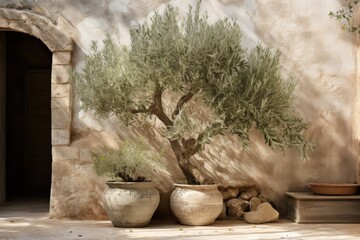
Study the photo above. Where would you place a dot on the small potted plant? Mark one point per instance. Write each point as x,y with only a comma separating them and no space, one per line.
130,199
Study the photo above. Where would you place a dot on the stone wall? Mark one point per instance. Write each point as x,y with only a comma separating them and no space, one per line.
315,50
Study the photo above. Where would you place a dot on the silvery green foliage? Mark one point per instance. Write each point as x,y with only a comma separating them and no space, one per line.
202,62
18,4
345,16
131,162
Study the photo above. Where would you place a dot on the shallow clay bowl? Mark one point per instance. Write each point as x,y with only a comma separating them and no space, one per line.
334,189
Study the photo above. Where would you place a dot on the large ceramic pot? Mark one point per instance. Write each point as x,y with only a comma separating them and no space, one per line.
130,204
196,205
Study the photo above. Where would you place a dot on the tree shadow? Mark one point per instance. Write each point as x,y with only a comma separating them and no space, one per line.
325,96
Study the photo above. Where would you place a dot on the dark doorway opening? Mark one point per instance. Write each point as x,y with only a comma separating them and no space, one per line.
28,117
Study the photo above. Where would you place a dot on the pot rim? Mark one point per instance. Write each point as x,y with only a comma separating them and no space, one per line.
334,184
116,184
196,187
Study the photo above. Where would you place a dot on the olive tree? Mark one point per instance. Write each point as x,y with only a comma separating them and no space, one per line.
198,64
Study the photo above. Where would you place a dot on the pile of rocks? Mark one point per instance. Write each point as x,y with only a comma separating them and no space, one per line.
247,203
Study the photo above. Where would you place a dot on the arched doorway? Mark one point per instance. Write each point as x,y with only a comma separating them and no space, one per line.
58,88
28,116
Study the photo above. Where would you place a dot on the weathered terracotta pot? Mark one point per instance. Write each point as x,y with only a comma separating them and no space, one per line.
333,188
130,204
196,205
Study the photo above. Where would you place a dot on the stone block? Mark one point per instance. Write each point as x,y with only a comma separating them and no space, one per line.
264,213
61,58
230,192
25,27
237,207
36,32
60,102
60,118
254,203
60,137
60,90
10,14
248,194
4,23
60,74
65,153
57,41
35,19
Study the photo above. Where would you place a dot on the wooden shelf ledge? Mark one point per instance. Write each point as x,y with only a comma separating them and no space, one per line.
306,207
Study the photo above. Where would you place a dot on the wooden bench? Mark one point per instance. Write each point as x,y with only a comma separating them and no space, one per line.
305,207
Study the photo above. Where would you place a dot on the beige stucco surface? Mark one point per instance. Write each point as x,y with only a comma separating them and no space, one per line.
315,51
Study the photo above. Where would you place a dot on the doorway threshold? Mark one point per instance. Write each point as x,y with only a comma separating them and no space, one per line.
33,206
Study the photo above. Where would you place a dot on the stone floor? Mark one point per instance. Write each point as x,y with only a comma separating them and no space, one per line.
24,221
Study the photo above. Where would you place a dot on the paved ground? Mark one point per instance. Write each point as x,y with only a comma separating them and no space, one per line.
24,222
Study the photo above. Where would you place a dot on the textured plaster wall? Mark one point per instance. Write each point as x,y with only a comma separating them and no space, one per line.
315,50
356,112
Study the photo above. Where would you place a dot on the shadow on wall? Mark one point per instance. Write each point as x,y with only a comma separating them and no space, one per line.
323,98
92,135
111,132
226,162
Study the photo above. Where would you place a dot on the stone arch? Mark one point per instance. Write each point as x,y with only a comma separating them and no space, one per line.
61,46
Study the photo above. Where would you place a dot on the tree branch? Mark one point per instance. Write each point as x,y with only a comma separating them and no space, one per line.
210,131
157,109
135,111
192,174
182,101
